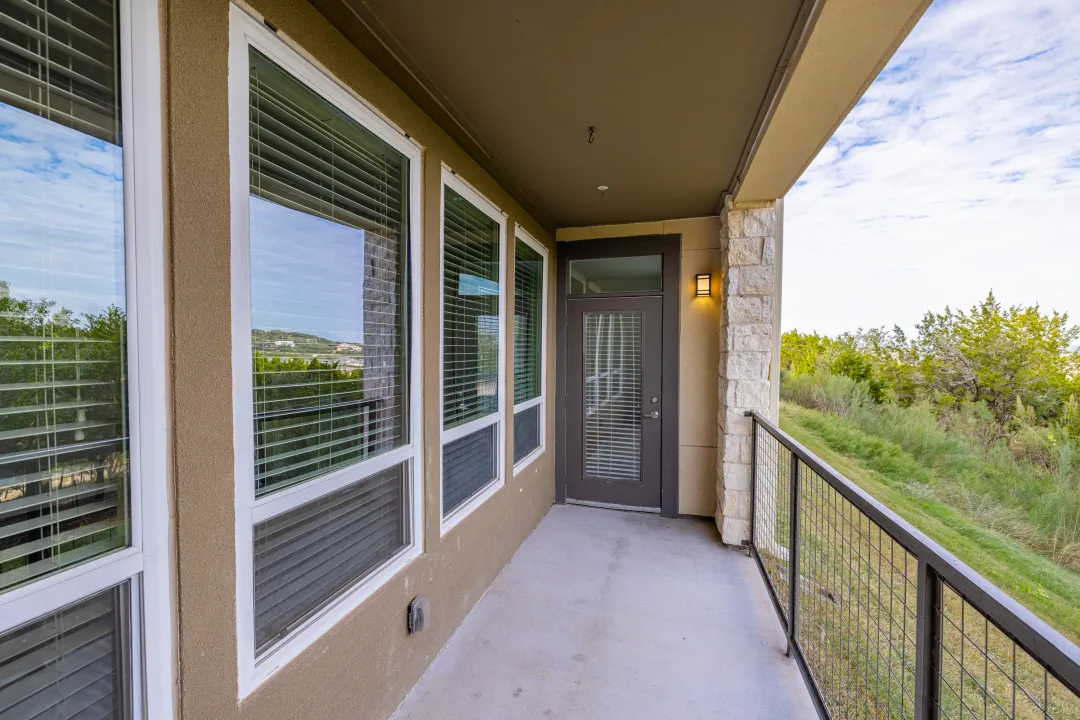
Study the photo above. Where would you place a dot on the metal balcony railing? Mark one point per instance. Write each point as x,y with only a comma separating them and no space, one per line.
882,621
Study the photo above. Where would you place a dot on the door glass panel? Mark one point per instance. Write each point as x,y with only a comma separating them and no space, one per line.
613,396
643,273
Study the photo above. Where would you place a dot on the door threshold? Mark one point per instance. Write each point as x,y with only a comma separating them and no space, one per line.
613,506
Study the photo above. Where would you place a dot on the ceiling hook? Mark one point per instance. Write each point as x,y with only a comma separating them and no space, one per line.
592,134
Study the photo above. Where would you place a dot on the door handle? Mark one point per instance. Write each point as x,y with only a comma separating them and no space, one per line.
654,414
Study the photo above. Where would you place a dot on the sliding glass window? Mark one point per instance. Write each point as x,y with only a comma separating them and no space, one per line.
326,484
472,349
530,297
73,520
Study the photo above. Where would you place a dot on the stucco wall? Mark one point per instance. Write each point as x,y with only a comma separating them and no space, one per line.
364,666
699,350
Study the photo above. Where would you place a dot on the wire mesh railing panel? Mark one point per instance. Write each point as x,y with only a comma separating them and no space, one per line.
856,606
772,512
883,622
982,672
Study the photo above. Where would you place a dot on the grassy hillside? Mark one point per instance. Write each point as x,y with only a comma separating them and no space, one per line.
983,525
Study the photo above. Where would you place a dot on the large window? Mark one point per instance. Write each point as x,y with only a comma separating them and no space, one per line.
82,477
326,465
472,349
530,330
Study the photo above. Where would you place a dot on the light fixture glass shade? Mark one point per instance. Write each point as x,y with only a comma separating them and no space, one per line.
704,285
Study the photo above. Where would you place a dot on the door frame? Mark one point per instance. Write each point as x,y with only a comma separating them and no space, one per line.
668,246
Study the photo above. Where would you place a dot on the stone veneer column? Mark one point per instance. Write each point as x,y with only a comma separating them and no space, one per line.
748,265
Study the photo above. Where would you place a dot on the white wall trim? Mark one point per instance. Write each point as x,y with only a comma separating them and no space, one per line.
448,522
248,31
521,234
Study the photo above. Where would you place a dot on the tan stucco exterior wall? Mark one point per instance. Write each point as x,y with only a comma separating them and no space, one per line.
365,665
699,349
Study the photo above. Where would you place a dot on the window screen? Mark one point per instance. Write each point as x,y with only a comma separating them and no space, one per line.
470,312
63,419
71,664
526,432
307,556
468,467
528,318
328,216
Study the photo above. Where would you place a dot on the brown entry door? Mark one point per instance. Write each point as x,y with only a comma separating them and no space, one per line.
614,405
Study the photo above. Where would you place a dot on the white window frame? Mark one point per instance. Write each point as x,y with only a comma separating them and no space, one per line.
521,234
451,180
246,30
146,564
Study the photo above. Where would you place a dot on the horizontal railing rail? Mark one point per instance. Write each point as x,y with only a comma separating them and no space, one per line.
882,621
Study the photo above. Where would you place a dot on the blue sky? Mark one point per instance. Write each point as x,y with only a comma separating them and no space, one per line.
61,214
958,172
307,273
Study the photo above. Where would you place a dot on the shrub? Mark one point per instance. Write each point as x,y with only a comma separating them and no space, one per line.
836,394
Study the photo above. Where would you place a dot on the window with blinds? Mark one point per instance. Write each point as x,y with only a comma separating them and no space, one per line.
528,316
526,432
471,323
64,469
308,556
329,268
69,664
468,467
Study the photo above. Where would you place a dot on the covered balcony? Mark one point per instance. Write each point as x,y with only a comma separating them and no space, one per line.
419,359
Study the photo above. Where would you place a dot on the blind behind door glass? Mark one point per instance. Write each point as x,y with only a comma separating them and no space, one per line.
470,312
328,212
613,396
63,327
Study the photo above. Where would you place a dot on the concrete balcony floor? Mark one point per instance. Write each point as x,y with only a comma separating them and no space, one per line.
606,614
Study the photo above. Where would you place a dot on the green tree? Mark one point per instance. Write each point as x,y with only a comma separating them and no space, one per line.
998,356
801,353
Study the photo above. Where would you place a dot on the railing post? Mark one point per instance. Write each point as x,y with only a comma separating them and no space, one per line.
793,551
753,483
927,632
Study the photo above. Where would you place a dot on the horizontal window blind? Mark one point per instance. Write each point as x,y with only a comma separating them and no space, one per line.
526,432
329,268
468,467
528,314
471,323
63,440
59,60
70,665
307,557
63,419
613,396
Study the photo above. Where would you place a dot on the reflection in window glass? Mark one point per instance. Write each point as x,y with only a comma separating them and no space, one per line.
328,267
617,274
470,312
528,316
64,471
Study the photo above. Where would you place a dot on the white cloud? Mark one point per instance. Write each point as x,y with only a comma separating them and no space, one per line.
61,214
957,173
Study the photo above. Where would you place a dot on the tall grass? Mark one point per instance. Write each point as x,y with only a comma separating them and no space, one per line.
1025,486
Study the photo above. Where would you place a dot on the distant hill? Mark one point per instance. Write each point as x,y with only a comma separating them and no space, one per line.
275,335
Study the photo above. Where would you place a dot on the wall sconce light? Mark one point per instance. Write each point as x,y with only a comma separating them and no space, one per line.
703,285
